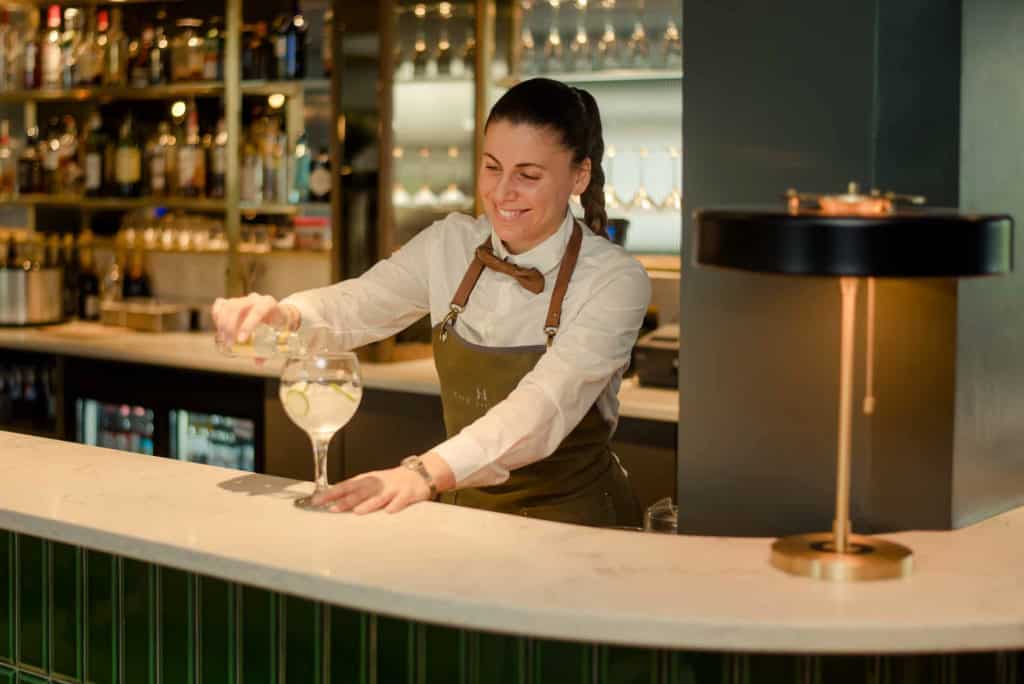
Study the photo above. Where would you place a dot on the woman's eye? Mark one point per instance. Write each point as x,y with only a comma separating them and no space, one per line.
528,177
491,167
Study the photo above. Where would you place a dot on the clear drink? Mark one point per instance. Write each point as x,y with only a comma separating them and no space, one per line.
320,408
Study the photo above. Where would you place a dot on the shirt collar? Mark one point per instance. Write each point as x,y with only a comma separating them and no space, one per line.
545,256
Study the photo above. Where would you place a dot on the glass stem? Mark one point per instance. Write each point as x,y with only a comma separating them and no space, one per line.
320,462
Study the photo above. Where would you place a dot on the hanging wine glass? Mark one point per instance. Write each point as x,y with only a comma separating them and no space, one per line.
527,45
443,52
608,44
672,46
421,58
452,196
400,197
403,58
641,198
638,47
424,197
579,48
674,200
554,53
611,197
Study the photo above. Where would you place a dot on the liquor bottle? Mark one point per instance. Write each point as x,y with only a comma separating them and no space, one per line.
213,69
320,178
295,44
140,67
30,170
279,41
70,172
156,162
85,50
216,183
300,171
136,280
273,161
169,148
160,52
70,38
191,159
69,259
8,161
128,161
327,44
51,53
88,281
250,53
30,60
116,53
95,149
6,52
51,157
251,180
52,257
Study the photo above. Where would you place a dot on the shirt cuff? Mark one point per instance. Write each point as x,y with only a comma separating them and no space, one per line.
308,315
464,456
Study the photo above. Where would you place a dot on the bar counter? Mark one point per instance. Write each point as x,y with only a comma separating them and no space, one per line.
497,573
196,351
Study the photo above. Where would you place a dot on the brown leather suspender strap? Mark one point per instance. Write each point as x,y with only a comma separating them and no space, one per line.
458,304
572,252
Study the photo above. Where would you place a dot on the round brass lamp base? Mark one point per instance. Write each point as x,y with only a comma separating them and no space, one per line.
813,555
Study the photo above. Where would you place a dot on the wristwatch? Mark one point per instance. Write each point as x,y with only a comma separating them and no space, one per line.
414,463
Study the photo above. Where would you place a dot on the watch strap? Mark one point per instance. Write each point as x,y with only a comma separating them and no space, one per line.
415,464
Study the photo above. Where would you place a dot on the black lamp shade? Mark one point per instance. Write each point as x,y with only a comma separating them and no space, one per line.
899,245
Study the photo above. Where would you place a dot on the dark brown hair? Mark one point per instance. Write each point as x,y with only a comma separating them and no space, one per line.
573,114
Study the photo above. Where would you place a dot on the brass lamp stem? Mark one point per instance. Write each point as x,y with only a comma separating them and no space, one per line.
841,525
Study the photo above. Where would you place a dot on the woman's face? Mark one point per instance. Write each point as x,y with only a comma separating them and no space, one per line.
526,178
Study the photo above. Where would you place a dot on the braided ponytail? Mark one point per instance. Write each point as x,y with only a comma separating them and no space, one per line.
573,114
592,198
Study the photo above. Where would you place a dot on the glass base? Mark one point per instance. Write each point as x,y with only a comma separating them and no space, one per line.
306,504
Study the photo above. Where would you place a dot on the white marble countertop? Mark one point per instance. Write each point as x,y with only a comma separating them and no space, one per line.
197,351
487,571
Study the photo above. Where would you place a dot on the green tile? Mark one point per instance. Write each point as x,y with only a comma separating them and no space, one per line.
33,590
216,630
628,665
24,678
442,655
6,675
691,667
498,658
396,651
259,636
101,618
177,626
302,639
847,669
138,621
66,612
7,630
562,662
349,639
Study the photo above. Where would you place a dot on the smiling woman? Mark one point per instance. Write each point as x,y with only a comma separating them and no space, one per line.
534,315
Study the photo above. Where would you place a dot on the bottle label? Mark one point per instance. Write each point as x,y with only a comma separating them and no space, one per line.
186,167
320,182
51,158
157,173
93,171
128,165
92,307
280,47
219,160
210,67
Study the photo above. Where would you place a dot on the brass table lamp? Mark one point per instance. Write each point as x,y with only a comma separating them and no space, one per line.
851,236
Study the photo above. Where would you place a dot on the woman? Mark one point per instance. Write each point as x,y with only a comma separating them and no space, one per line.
533,316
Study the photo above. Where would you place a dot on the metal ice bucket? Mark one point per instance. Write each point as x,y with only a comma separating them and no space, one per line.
31,297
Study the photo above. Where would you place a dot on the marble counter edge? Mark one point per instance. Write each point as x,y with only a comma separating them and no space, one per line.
516,621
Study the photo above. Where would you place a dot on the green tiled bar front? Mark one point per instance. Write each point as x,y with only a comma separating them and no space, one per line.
70,615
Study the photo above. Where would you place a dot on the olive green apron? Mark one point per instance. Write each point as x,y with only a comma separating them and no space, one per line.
582,481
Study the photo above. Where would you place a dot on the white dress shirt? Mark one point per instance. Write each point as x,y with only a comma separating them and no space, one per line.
601,314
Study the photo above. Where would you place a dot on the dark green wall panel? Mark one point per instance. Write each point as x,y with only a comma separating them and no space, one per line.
33,595
177,636
562,662
7,594
441,655
498,658
25,678
628,665
349,644
396,651
302,640
6,675
138,623
259,636
101,617
217,630
66,611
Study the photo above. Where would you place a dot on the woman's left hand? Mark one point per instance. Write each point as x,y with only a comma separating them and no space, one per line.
391,489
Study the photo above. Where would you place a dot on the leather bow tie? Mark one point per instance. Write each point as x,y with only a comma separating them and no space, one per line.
530,278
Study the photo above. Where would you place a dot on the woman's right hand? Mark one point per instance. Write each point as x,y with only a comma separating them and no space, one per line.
236,318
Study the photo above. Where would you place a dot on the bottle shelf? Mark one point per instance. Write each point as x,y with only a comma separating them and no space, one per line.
602,76
118,203
163,92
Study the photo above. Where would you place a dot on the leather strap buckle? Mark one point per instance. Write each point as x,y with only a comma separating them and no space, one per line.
449,320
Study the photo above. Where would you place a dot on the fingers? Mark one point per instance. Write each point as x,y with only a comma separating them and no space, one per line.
374,503
235,318
399,503
392,490
346,495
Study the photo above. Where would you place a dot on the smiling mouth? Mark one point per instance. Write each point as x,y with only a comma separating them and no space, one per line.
511,214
